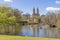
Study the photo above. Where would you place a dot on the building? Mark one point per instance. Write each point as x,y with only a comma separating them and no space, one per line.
35,12
35,15
26,16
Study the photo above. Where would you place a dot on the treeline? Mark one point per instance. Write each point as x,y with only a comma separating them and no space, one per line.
51,18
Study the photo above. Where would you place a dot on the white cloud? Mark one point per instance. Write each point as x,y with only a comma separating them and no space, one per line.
8,0
58,2
52,9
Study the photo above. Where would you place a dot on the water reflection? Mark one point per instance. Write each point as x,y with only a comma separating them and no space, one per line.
40,31
35,29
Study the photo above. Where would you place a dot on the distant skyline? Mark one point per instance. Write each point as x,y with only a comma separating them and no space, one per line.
27,5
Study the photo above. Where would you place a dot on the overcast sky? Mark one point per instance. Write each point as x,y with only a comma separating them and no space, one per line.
27,5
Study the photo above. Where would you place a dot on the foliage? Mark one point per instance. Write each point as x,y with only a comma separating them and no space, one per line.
12,20
3,18
9,17
58,24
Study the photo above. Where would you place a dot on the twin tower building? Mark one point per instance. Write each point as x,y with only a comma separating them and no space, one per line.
35,12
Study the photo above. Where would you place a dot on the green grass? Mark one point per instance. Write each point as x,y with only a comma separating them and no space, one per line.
6,37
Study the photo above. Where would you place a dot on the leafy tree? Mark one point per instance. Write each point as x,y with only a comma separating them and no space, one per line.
12,20
9,17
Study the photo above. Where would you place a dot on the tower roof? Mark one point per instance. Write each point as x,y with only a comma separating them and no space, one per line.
35,12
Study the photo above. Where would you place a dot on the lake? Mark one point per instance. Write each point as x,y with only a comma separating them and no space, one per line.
39,31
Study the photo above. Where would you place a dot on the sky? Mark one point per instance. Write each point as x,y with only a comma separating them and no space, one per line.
27,5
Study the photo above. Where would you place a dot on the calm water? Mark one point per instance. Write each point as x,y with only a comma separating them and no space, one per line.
39,31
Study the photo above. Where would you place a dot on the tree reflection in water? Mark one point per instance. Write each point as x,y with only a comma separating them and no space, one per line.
40,31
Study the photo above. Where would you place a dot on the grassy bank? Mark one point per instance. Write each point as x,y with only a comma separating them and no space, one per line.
6,37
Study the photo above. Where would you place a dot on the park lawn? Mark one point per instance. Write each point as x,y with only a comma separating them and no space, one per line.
6,37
